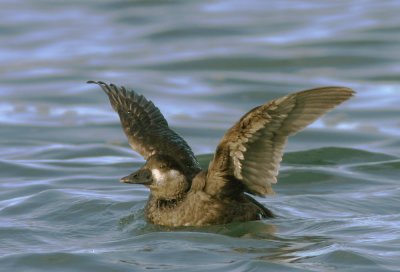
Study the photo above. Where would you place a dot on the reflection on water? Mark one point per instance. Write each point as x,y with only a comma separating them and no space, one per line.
205,64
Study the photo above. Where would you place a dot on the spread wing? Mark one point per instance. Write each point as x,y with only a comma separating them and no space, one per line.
146,128
250,152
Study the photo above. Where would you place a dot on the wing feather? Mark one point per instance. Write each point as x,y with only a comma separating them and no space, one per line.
146,128
251,151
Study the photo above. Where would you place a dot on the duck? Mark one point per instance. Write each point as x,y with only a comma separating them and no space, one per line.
245,164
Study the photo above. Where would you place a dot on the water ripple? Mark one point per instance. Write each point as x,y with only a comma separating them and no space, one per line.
204,64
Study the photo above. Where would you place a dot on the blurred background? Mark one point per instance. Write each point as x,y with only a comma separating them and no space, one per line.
204,64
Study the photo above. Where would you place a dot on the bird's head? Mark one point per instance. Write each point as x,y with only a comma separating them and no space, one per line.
163,175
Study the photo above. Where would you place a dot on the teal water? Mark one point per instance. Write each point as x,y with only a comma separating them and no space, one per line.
204,63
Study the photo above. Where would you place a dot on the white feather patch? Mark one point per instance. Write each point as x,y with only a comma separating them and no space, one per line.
157,175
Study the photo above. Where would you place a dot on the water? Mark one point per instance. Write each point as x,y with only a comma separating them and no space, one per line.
204,63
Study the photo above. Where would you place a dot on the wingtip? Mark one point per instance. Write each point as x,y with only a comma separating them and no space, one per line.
104,86
350,91
96,82
346,93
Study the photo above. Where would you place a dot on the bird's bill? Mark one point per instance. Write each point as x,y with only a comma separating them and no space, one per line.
141,176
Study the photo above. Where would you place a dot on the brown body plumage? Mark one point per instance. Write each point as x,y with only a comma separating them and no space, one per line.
246,160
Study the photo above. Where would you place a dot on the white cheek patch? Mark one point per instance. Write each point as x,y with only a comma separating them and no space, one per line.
174,174
171,175
157,175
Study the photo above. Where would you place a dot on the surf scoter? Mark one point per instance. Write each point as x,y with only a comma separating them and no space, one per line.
246,160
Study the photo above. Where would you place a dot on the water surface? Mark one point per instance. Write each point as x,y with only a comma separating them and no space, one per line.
204,63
